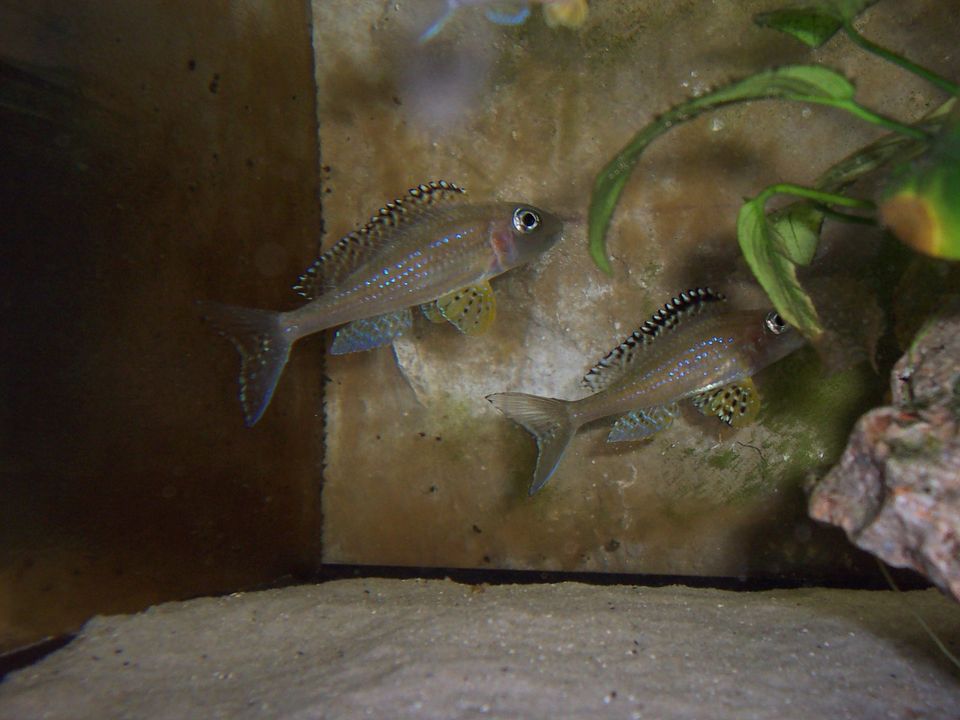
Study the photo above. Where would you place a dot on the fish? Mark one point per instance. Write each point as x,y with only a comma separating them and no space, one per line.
430,248
688,350
569,13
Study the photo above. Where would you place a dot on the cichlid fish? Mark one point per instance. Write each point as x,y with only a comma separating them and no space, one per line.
687,350
569,13
429,248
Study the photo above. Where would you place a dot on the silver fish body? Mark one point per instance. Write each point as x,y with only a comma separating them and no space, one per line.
687,351
427,246
449,247
704,353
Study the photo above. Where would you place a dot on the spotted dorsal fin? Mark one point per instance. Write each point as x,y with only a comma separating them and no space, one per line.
615,362
351,250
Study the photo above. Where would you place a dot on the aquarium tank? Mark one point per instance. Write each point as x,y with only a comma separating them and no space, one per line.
513,292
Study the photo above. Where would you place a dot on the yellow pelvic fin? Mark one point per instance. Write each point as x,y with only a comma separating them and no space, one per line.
569,13
471,310
736,404
432,313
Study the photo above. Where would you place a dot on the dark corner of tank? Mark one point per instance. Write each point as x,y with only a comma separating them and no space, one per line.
155,155
269,269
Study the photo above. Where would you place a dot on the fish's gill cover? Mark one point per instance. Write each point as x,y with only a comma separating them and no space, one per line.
615,362
352,249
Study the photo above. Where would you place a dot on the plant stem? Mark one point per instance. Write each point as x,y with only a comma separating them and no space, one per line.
908,65
818,196
871,117
844,217
933,636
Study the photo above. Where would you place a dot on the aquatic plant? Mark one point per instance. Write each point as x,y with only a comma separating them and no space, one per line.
922,161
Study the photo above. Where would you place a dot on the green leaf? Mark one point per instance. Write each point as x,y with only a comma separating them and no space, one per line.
795,231
922,206
808,25
774,245
890,56
815,24
847,9
890,149
776,273
805,83
790,82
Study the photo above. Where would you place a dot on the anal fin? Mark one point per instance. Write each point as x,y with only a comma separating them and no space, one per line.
432,313
471,310
371,332
736,404
505,17
640,424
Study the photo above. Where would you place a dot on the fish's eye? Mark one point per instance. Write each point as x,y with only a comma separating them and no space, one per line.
525,220
774,323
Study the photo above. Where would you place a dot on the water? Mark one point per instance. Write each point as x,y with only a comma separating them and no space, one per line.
179,160
125,479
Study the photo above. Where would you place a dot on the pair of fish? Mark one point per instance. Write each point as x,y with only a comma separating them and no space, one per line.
434,249
569,13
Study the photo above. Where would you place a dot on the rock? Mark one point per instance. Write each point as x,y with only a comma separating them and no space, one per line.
896,490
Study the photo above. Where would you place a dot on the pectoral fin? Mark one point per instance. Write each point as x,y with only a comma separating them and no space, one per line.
471,310
736,404
641,424
371,332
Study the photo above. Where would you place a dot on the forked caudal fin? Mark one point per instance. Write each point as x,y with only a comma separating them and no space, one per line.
263,349
548,420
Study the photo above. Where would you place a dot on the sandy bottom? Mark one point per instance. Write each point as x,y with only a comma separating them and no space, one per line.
438,649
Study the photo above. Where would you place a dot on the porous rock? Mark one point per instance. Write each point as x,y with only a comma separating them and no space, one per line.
896,490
